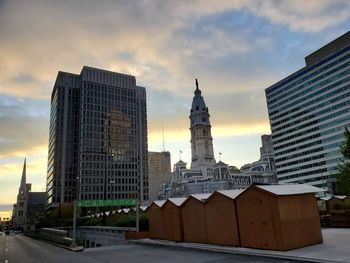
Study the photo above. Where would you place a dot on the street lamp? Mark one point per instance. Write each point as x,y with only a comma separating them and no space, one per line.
74,234
104,189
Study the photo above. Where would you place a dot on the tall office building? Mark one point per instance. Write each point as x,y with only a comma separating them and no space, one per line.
98,138
308,111
159,172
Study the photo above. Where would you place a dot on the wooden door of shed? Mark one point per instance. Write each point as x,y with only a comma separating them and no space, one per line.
256,223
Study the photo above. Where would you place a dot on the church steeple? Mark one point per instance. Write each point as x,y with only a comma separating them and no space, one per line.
20,210
201,140
24,175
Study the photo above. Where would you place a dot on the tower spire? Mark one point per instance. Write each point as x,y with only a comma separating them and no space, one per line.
197,90
24,175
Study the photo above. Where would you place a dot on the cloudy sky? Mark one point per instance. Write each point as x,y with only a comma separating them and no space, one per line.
235,48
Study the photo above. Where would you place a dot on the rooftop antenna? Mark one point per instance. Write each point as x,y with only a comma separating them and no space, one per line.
220,156
180,154
163,137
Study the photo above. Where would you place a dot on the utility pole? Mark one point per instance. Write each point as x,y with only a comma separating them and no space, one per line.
105,189
74,244
137,215
75,202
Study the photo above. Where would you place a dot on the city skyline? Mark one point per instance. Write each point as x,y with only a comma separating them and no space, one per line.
235,49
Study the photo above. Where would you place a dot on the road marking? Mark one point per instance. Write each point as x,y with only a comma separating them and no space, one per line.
6,261
6,249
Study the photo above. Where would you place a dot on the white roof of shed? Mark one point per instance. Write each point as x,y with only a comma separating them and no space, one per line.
341,197
177,201
159,203
201,197
290,189
231,193
328,197
143,207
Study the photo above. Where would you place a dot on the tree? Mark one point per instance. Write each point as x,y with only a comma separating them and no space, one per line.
343,174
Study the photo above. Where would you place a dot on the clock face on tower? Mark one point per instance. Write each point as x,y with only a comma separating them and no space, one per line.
204,119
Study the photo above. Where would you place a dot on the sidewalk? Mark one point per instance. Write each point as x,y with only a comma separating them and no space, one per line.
335,248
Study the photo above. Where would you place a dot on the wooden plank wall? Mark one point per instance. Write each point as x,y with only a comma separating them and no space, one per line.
258,220
193,219
172,222
300,221
155,222
221,223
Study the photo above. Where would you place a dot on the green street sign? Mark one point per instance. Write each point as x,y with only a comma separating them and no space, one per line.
109,202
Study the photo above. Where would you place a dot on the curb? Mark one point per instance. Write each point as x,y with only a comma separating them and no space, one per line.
219,249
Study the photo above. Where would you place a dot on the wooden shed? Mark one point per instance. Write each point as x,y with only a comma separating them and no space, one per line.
221,218
172,219
155,220
336,202
347,202
278,217
193,218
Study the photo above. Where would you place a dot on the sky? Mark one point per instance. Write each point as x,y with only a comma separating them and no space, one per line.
236,49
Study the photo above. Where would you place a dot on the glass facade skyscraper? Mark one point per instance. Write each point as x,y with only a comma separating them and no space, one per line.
98,138
308,112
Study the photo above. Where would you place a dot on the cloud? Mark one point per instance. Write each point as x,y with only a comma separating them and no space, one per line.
311,16
40,38
24,127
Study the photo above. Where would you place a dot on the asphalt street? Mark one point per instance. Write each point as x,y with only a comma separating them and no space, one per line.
21,249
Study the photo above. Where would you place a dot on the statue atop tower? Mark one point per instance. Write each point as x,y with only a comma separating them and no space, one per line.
201,139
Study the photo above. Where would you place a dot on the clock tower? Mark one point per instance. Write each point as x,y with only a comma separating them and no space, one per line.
201,140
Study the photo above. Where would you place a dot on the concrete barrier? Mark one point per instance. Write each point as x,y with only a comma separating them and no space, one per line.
50,234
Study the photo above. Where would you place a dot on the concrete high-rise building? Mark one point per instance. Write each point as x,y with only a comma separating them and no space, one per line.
308,111
201,139
98,137
159,172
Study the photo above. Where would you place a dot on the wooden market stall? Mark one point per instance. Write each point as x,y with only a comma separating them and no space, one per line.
193,218
221,218
155,220
172,219
336,202
278,217
346,201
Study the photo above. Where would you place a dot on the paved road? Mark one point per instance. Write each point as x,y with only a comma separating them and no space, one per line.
21,249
